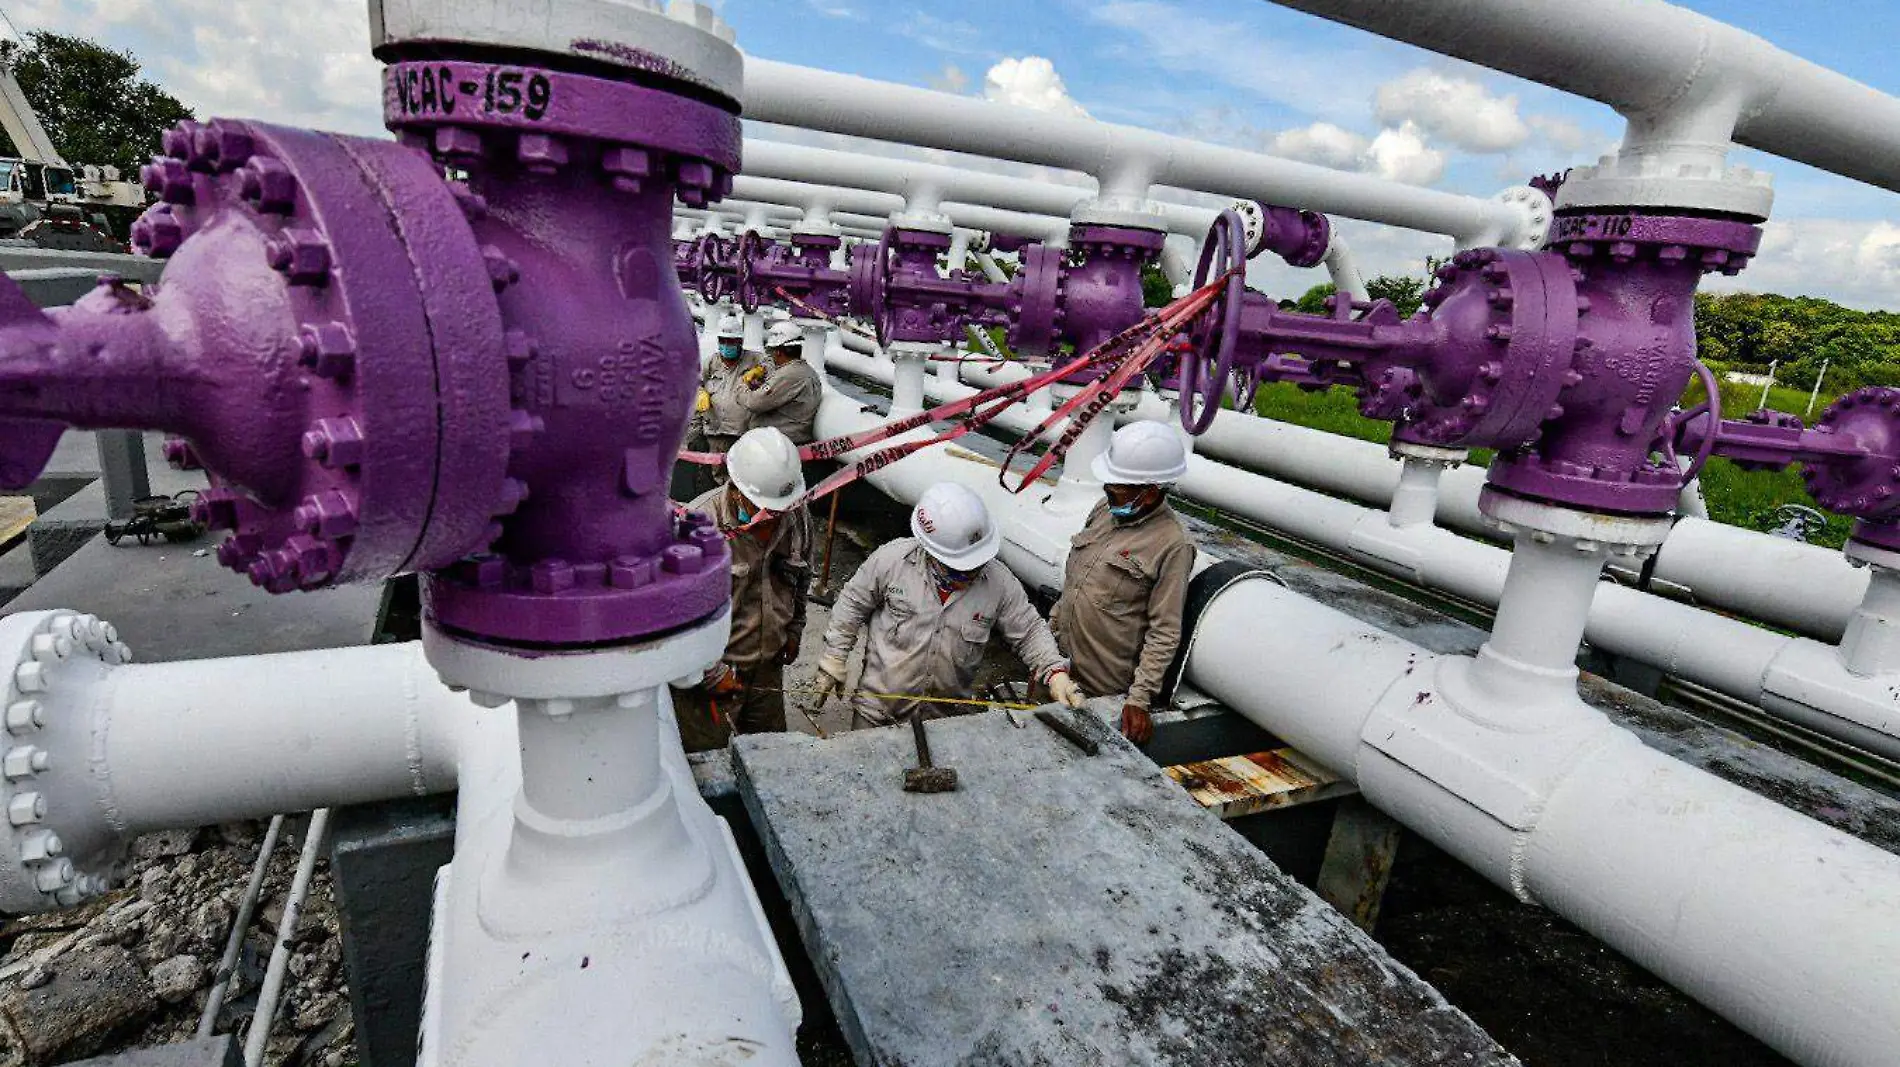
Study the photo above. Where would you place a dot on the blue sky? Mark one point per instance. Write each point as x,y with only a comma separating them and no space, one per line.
1242,72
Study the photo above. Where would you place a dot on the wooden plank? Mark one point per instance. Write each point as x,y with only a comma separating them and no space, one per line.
1233,786
16,514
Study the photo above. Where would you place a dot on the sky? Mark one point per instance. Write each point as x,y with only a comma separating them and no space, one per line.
1243,73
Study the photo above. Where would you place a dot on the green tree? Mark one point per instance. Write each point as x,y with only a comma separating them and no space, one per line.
1155,289
1406,293
1313,301
91,99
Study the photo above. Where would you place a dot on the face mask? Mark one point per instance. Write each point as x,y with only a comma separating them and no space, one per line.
745,513
729,353
1126,511
949,580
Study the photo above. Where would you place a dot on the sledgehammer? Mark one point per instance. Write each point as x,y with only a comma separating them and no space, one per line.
925,778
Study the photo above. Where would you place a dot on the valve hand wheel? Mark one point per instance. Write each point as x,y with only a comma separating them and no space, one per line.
1679,422
749,248
1208,364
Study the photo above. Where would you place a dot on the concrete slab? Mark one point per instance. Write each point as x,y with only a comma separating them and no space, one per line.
169,603
1064,909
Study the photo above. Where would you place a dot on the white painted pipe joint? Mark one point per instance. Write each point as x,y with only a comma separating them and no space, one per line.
99,751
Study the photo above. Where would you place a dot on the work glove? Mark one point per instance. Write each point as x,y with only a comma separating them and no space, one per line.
1064,689
830,680
754,377
722,681
703,402
1136,725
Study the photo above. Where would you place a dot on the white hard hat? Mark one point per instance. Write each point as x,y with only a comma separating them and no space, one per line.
1142,453
763,464
732,328
955,527
782,334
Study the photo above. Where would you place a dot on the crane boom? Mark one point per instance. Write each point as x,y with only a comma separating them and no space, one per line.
21,124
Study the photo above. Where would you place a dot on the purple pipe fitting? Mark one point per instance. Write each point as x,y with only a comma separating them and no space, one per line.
802,269
1567,361
386,371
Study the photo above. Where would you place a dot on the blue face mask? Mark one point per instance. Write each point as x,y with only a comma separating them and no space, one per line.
745,514
1125,511
729,353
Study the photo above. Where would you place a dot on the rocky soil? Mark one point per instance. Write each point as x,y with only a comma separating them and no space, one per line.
133,969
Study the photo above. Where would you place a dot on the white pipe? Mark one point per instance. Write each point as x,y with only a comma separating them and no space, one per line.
272,990
1780,924
1125,160
596,909
240,927
1677,75
1343,268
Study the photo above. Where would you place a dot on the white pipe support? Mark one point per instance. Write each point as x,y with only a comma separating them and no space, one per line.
95,746
814,340
839,103
991,272
591,883
1675,74
1668,864
1343,269
908,361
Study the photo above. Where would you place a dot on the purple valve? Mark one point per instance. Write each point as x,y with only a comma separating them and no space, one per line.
385,370
1567,361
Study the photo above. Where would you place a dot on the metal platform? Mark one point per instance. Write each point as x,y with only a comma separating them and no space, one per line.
1061,908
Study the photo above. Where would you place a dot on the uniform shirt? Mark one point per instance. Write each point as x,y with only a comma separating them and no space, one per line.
917,644
1123,590
787,399
721,381
768,581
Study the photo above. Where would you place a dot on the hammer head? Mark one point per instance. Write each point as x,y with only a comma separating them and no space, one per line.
930,780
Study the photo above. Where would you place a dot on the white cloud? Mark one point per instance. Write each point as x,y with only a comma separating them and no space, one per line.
305,64
1030,82
1401,155
1853,261
1562,133
944,35
1456,109
1322,143
1398,154
950,79
833,9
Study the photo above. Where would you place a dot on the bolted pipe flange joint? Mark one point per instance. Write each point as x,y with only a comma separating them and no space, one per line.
56,847
1864,483
1648,181
304,315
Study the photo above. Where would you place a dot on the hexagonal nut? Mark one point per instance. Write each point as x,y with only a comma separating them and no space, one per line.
682,559
541,153
551,576
335,442
329,349
302,255
223,145
330,513
268,184
158,233
630,572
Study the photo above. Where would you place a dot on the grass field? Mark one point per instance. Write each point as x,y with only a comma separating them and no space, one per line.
1742,498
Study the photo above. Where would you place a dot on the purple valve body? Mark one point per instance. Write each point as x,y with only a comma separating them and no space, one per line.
386,371
1567,361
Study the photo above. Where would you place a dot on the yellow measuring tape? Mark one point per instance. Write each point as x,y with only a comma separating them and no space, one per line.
905,696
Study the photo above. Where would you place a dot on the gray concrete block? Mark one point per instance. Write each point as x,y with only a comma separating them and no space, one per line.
1065,909
220,1051
383,860
55,286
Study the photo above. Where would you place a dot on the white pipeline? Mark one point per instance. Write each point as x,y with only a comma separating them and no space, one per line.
1780,924
1126,161
1675,74
268,994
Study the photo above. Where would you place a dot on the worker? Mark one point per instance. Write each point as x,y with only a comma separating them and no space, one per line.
783,391
771,569
1119,618
929,603
717,413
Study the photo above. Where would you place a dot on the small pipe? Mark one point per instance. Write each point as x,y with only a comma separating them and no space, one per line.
234,944
273,988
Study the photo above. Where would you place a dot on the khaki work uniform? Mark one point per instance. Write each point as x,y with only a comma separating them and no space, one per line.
716,428
769,581
788,399
915,643
1123,591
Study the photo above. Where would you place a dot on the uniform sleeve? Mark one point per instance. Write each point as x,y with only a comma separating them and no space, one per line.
798,562
777,391
859,597
1165,603
1026,632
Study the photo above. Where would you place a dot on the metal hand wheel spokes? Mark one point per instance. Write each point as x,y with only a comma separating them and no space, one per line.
1208,364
